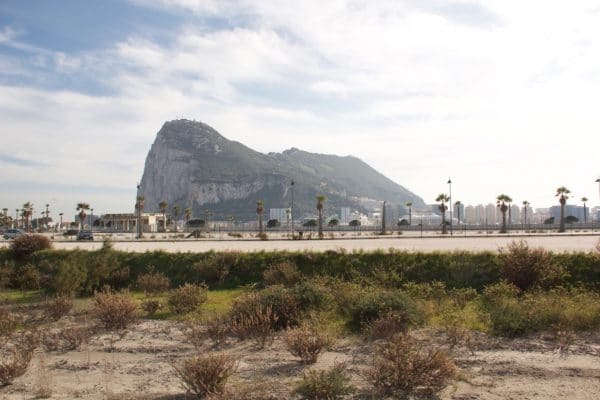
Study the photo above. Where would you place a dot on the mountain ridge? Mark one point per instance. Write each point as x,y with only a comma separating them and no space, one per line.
193,165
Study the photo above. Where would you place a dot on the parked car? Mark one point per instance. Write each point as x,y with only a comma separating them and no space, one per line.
85,235
13,233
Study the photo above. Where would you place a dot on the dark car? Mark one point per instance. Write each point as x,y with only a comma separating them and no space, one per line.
13,233
85,235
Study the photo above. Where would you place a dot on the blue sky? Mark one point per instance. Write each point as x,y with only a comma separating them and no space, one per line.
500,95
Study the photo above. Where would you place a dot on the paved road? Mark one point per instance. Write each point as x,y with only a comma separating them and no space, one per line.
558,243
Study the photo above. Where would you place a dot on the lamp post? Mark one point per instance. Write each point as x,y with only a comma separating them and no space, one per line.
450,202
292,209
598,180
91,220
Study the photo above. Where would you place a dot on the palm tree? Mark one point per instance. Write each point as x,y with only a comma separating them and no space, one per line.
139,208
443,199
47,216
563,194
584,200
320,201
260,208
188,215
27,211
61,217
82,208
176,211
409,205
525,205
502,203
162,206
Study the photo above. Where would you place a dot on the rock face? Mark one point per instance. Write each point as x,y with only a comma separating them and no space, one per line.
192,165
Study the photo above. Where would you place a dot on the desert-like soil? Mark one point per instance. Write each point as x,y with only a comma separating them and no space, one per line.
138,364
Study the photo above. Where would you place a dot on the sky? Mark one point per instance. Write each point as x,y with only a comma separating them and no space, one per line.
501,96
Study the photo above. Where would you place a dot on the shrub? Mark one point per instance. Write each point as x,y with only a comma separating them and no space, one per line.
306,343
282,302
284,273
216,268
6,271
187,298
328,384
195,335
68,279
257,324
25,245
385,326
115,310
526,268
66,339
59,306
507,313
376,304
206,375
402,367
26,277
153,283
217,329
8,325
15,361
151,306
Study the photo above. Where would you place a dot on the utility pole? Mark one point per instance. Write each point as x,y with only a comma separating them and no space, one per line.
451,207
292,209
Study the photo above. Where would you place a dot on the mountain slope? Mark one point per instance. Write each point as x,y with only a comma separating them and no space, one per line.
192,165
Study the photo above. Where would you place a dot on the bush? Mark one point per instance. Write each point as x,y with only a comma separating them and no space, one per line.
115,310
328,384
206,375
507,313
215,269
402,367
256,324
527,268
68,279
66,339
151,306
59,306
25,245
284,273
26,277
217,329
376,304
153,283
282,302
195,335
15,361
8,325
187,298
306,343
385,326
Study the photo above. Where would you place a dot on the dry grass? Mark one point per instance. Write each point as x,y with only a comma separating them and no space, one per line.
306,343
153,283
256,325
151,306
15,360
59,306
206,375
217,329
285,273
115,310
402,367
66,339
328,384
385,326
8,325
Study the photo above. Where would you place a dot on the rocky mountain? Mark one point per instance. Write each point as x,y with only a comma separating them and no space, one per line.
192,165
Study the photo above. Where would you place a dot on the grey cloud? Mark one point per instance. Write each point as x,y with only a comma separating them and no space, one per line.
20,162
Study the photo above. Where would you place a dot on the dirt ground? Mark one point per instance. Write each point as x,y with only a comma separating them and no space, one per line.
138,364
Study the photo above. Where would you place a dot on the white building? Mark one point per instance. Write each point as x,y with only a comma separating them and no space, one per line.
345,215
280,214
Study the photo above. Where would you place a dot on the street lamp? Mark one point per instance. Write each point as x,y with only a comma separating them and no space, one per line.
91,219
451,207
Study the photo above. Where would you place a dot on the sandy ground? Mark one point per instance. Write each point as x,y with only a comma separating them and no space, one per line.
139,365
558,243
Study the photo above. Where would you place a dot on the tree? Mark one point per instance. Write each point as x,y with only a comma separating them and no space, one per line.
311,223
333,222
82,208
502,203
409,205
570,219
525,206
188,215
27,212
260,208
273,223
176,211
320,201
584,200
196,223
403,222
443,199
163,209
354,222
563,194
549,221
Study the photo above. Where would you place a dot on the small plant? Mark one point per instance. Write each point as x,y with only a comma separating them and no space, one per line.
15,361
385,326
374,305
402,367
151,306
217,329
257,325
26,277
68,279
187,298
66,339
527,268
59,306
25,245
328,384
206,375
306,343
115,310
195,335
284,273
153,283
8,325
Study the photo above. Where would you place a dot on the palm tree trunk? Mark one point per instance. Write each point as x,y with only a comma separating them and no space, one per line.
444,231
260,224
562,218
503,230
320,224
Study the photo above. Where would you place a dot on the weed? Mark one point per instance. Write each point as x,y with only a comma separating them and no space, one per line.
59,306
115,310
306,343
328,384
187,298
206,375
257,324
